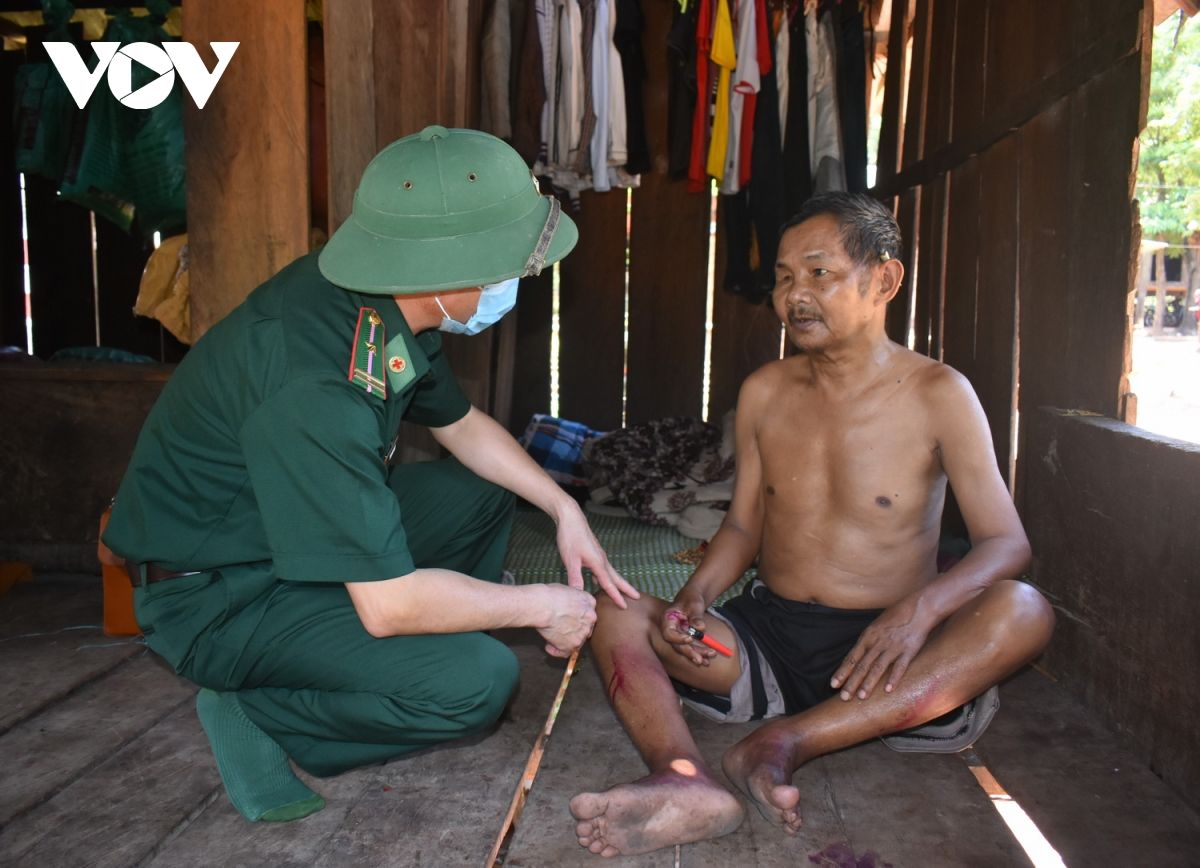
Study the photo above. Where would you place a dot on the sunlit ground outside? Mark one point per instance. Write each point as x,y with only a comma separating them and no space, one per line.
1166,380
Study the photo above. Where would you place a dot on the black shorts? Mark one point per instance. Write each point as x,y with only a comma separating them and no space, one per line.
788,653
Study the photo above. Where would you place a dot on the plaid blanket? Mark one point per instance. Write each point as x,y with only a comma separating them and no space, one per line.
557,445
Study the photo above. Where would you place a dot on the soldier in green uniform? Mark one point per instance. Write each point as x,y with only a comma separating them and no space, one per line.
331,606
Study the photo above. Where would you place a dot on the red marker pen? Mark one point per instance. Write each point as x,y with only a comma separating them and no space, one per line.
709,641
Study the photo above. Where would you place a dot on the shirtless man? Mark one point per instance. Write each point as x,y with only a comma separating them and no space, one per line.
843,454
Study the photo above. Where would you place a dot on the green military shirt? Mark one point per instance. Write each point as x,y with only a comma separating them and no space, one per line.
269,443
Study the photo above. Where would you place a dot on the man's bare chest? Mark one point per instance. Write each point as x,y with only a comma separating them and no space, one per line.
869,463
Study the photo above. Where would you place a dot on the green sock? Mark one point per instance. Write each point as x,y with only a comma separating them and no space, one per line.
253,767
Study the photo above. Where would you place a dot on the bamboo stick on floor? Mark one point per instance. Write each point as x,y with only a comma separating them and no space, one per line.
532,765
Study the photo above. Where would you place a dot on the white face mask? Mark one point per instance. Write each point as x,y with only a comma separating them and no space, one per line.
495,301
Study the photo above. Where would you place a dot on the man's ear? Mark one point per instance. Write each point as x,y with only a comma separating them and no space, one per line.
891,275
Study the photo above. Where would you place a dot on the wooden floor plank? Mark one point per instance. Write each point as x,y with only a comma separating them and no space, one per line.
919,810
118,813
758,843
443,806
909,810
51,644
586,751
1091,799
49,751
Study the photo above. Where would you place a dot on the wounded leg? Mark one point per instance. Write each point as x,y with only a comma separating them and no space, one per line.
987,640
680,801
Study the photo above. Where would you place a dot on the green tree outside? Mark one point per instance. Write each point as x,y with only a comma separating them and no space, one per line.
1168,181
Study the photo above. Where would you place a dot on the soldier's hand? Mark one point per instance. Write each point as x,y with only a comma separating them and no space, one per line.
571,617
684,612
578,547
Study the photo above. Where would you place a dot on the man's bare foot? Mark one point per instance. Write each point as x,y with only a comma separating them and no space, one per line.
657,811
761,766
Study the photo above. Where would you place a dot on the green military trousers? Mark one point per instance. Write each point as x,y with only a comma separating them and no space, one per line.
302,665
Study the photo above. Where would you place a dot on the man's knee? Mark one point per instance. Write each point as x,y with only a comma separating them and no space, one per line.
487,679
1018,610
640,615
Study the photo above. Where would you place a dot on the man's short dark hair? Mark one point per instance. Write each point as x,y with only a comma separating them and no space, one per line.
869,232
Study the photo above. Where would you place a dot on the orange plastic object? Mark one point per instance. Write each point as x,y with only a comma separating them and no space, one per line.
12,572
118,589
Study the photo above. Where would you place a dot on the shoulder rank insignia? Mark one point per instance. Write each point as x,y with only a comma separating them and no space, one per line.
366,362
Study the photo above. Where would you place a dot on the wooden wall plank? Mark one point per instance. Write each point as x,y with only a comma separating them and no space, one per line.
60,270
408,53
995,330
970,26
1011,51
962,270
318,135
12,280
943,58
62,465
350,100
592,313
247,154
668,263
927,322
933,239
1104,129
1122,578
1121,40
892,120
668,273
907,212
1045,264
913,148
531,362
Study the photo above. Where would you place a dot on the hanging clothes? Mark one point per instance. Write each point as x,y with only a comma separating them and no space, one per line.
824,125
585,117
852,91
783,43
681,89
797,170
627,38
705,89
724,55
743,91
752,218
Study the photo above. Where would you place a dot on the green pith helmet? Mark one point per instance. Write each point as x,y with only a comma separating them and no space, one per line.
445,209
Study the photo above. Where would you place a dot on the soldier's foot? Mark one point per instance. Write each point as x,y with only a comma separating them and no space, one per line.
255,770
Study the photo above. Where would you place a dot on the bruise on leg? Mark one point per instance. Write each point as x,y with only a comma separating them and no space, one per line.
924,706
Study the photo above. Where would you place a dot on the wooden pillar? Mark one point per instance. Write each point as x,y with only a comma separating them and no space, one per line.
247,153
392,67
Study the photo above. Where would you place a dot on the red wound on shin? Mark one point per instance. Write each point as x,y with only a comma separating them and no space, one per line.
616,683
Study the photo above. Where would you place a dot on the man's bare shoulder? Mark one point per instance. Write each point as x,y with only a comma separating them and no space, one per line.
767,380
941,385
948,397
